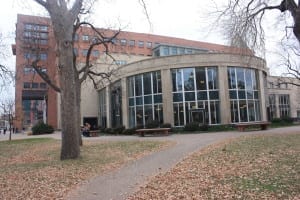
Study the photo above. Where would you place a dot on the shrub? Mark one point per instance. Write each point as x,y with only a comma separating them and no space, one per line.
118,130
107,130
216,128
287,120
276,120
166,125
42,128
152,124
129,131
193,126
203,127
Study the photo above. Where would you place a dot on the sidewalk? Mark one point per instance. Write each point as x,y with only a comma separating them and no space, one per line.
119,184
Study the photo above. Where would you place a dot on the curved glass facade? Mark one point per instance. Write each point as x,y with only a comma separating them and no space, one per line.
195,95
243,93
145,99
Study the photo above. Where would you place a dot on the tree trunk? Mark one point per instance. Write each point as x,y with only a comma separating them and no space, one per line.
69,102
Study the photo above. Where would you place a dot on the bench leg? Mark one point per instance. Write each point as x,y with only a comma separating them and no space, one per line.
241,128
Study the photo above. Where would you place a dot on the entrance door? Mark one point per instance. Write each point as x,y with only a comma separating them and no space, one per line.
198,115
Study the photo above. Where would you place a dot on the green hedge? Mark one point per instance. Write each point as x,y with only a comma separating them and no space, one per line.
42,128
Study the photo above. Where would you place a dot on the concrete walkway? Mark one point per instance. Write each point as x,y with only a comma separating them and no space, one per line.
119,184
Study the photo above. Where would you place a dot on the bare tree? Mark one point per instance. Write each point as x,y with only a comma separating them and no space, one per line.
65,17
6,75
7,107
243,23
243,19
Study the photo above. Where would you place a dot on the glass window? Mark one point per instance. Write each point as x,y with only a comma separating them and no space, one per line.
145,98
44,35
197,93
231,78
28,26
26,85
156,82
28,70
141,43
284,105
212,78
188,79
131,43
35,85
243,94
43,56
43,85
85,37
240,78
149,45
189,51
123,42
200,79
177,80
166,51
138,85
173,51
44,42
147,83
43,28
181,50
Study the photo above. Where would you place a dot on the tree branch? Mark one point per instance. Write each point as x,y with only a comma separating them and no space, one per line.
44,76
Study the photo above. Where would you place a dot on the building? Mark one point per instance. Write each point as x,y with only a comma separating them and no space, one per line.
283,99
166,79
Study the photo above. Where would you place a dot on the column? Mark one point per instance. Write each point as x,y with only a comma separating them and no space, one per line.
225,112
124,102
108,106
262,95
166,83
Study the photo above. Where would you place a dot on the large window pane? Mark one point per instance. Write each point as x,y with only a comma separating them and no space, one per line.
200,78
147,83
212,78
188,78
146,91
247,94
138,85
240,78
200,85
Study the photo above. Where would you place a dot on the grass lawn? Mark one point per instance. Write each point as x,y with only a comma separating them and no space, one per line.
256,167
31,169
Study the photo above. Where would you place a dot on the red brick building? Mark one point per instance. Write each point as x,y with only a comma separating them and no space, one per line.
35,39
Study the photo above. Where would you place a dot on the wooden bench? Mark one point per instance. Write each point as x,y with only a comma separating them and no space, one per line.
94,133
142,132
242,126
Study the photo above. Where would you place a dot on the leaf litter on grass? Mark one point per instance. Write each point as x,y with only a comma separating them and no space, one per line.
256,167
32,170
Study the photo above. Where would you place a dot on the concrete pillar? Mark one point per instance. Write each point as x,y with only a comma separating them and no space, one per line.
224,95
108,106
167,95
125,110
262,96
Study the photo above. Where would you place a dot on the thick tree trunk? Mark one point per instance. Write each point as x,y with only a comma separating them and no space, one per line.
70,106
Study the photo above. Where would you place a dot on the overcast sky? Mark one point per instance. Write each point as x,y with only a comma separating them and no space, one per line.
185,19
